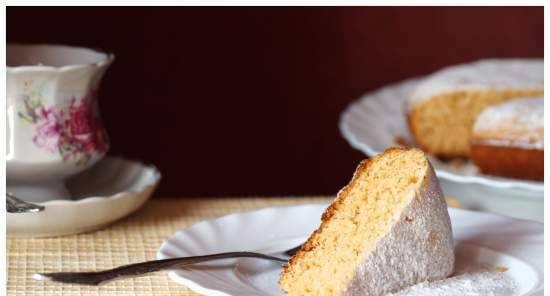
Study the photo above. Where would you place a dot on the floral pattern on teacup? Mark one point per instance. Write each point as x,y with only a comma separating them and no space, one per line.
73,130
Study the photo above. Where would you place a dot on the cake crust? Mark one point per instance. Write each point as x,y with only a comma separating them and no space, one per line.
511,162
328,213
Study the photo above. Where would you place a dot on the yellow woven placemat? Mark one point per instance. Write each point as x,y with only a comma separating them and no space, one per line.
133,239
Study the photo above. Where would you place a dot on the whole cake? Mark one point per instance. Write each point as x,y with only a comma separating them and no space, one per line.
442,110
508,139
387,229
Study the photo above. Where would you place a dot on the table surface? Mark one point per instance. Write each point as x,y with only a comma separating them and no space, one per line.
133,239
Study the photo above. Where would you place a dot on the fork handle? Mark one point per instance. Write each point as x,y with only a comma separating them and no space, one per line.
142,268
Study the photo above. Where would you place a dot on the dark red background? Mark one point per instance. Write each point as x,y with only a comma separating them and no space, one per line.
245,101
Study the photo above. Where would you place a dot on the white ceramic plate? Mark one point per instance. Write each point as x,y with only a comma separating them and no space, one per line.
483,238
108,191
372,124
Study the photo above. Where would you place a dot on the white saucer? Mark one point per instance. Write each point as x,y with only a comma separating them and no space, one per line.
484,239
374,122
108,191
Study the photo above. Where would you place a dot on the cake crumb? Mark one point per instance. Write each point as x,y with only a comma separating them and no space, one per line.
399,140
456,162
453,202
501,269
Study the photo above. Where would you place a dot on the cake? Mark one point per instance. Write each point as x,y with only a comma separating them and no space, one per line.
387,229
443,108
508,139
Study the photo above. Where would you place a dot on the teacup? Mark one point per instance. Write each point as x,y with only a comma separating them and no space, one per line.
53,126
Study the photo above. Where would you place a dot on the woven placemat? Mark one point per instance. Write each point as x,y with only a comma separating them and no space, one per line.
133,239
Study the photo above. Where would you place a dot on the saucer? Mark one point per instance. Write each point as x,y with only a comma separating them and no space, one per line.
108,191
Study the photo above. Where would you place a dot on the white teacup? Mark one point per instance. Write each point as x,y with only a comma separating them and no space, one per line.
53,126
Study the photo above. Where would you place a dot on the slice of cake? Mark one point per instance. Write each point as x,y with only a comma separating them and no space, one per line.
443,108
387,229
508,139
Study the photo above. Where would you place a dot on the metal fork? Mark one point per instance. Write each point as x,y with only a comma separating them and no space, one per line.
16,205
142,268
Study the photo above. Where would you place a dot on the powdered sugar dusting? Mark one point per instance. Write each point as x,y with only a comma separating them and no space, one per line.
514,123
473,283
482,75
472,277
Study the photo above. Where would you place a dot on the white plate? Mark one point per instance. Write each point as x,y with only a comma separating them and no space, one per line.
486,239
372,124
108,191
